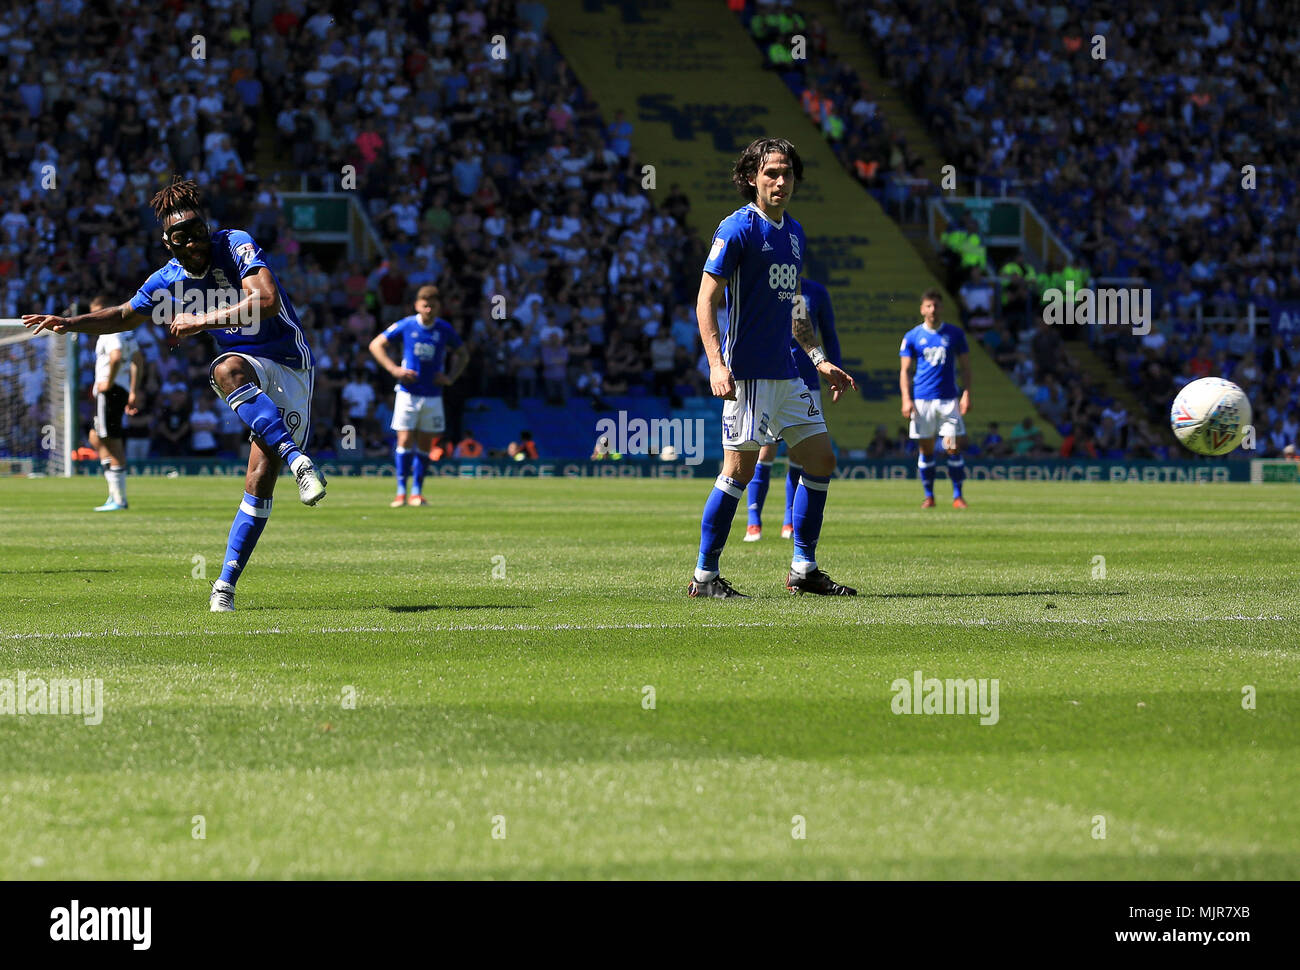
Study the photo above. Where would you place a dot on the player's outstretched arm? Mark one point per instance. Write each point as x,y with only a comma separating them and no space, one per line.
721,381
111,319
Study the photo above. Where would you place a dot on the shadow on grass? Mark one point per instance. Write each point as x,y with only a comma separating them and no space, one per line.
458,607
1010,592
49,572
424,608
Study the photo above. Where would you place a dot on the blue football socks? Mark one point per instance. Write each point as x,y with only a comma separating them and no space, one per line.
809,506
758,486
403,461
925,466
247,528
417,471
792,474
719,510
957,472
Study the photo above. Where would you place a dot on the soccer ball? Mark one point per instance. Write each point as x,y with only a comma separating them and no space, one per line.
1210,416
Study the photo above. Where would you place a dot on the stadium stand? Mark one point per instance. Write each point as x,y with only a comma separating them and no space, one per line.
1169,205
697,84
459,154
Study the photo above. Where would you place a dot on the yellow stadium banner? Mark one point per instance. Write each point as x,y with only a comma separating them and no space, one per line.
690,79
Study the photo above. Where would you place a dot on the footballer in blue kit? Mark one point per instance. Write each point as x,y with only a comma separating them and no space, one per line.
754,265
219,283
424,339
936,350
817,304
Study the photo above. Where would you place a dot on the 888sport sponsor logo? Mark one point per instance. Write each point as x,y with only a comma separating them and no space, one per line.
783,277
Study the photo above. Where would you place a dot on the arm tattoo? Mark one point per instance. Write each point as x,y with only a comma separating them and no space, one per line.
802,330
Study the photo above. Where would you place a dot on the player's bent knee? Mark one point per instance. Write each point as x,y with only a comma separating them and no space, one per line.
233,372
823,466
737,469
739,474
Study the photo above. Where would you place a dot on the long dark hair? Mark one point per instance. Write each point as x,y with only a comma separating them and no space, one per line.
746,167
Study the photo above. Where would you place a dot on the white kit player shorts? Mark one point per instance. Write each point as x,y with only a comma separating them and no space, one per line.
109,408
290,389
937,417
765,411
414,413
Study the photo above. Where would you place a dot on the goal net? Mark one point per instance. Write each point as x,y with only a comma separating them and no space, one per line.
38,407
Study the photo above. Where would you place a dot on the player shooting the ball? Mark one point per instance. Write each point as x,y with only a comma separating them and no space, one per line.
218,282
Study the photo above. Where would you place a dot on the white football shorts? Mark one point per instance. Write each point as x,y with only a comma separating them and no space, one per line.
765,411
414,413
937,418
290,389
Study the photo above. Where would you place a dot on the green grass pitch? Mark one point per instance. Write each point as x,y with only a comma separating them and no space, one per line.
514,704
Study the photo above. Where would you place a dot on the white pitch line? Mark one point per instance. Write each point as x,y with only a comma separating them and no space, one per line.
558,627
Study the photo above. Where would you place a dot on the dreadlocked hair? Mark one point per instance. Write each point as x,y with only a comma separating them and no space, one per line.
181,195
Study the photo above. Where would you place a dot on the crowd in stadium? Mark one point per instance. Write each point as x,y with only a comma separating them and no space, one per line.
503,182
1168,205
1142,161
497,177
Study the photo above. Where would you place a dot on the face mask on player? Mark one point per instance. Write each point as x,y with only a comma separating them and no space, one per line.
186,231
180,235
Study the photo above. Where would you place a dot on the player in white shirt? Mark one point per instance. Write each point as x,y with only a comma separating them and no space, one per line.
119,366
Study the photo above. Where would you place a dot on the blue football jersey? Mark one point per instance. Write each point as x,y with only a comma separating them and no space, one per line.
234,256
424,350
761,262
936,353
823,322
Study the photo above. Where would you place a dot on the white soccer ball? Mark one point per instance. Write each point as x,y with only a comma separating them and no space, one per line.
1210,416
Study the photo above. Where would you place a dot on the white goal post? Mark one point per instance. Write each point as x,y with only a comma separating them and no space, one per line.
38,400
